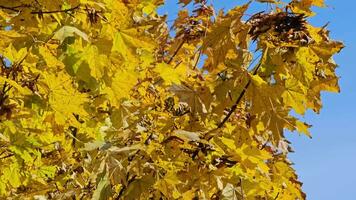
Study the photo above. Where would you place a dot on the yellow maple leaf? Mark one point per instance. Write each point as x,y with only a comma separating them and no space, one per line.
294,95
127,41
63,98
122,83
97,62
50,59
169,74
303,128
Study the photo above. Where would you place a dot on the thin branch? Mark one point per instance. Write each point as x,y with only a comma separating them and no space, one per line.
242,191
4,88
233,107
3,64
253,61
56,11
265,144
7,156
176,51
177,65
198,59
2,152
276,196
8,89
123,189
15,8
3,95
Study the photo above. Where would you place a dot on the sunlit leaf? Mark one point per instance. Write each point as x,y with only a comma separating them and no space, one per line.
69,31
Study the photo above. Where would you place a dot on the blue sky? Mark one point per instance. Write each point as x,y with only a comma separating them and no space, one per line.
326,164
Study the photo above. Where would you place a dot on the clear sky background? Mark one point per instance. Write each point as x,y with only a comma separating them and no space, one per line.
326,164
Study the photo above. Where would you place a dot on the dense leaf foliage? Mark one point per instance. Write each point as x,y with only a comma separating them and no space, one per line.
99,101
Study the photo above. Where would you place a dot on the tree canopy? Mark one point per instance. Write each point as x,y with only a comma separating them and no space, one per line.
102,99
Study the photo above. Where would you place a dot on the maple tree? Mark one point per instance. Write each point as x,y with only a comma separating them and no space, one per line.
100,100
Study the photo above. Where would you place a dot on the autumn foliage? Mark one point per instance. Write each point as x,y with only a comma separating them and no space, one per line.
106,99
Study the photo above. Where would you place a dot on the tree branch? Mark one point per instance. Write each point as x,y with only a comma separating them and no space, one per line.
56,11
176,51
198,59
16,9
242,191
233,107
7,156
123,189
276,196
3,94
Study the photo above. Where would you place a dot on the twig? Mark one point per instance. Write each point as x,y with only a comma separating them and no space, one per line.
3,95
276,196
265,144
198,59
233,107
56,11
15,8
8,89
176,51
242,191
121,192
180,62
2,61
7,156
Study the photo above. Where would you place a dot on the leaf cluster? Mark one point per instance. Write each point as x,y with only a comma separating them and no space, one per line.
98,100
